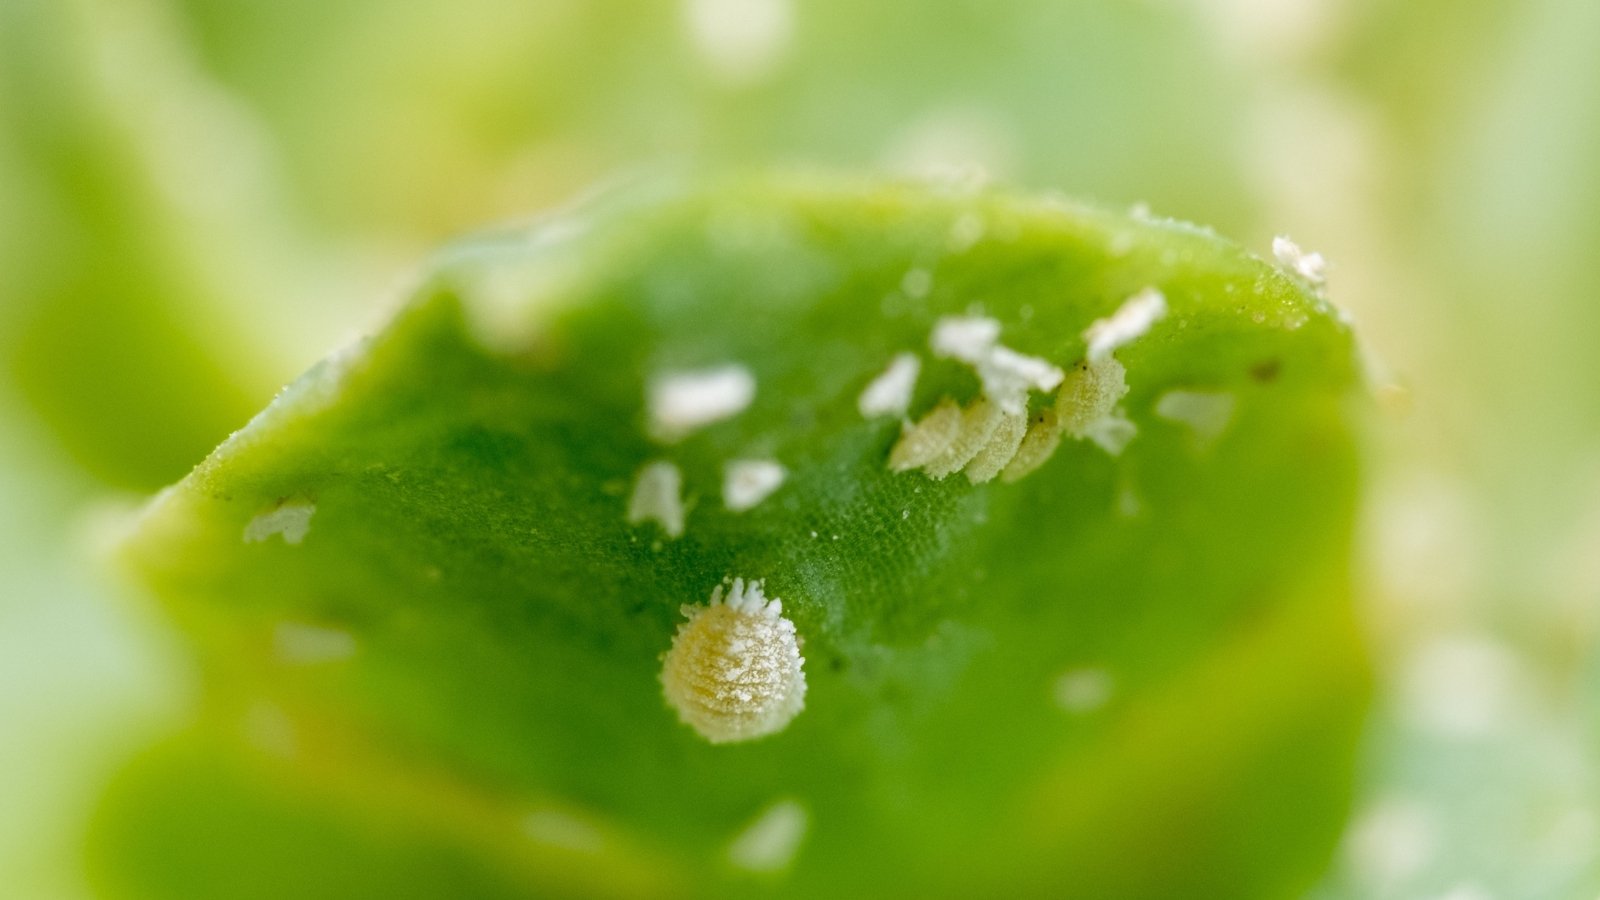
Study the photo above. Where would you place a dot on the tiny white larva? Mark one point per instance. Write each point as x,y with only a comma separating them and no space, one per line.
734,672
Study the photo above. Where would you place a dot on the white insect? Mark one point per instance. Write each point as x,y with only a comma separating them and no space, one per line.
1038,445
1000,450
1090,395
925,441
979,421
734,672
994,435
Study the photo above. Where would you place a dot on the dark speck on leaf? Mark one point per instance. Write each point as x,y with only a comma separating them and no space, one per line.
1266,371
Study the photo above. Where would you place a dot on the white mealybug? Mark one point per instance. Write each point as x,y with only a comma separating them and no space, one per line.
734,672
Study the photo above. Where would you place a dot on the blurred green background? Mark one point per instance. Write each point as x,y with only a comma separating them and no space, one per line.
199,198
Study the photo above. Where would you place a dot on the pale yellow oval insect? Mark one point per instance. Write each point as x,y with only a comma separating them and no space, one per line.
734,672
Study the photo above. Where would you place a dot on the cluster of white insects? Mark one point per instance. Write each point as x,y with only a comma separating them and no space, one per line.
734,671
994,435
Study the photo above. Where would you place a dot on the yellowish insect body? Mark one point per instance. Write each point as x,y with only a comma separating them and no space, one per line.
734,672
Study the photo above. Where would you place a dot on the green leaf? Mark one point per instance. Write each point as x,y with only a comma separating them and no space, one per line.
110,329
430,632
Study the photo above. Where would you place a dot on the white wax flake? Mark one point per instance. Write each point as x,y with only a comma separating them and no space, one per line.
890,393
291,521
740,41
1207,414
657,496
1309,267
1007,375
1131,320
734,672
564,831
301,644
681,402
1112,433
770,842
916,283
1083,690
967,338
747,482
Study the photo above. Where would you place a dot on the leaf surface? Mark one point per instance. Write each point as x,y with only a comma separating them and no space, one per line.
1127,675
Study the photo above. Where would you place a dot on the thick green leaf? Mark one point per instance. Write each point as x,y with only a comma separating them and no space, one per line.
1130,675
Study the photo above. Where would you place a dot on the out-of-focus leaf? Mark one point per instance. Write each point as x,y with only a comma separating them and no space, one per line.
143,270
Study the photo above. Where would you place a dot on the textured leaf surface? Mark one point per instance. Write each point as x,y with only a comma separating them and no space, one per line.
1118,676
